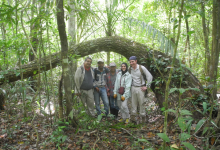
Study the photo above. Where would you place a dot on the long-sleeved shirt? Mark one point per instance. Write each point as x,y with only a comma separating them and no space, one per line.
137,76
79,77
100,77
111,81
125,81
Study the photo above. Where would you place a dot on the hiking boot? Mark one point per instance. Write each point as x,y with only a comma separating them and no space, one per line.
127,120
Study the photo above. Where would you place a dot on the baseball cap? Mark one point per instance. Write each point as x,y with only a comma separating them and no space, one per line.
112,64
100,60
133,58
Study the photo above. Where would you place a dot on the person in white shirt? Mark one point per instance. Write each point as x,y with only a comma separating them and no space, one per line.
138,88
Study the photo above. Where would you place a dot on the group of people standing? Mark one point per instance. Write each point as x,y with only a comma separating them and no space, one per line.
114,87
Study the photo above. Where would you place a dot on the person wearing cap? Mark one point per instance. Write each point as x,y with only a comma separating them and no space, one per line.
123,80
138,87
111,77
84,85
100,87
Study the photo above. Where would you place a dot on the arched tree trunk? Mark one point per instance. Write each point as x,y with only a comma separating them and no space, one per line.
127,48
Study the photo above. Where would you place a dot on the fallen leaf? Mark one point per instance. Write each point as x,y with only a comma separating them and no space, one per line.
175,146
212,140
20,143
113,130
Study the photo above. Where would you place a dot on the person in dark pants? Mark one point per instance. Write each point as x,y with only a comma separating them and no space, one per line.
100,87
111,77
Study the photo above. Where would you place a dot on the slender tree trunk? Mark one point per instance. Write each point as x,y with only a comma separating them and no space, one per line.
60,98
72,40
218,47
206,40
174,29
64,58
109,25
170,73
215,51
188,40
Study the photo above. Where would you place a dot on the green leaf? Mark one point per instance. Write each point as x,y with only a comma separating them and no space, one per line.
171,110
99,117
204,104
190,32
164,137
149,149
195,89
185,112
188,125
181,90
199,124
35,71
71,114
64,138
172,90
181,123
187,16
184,136
188,145
162,109
205,130
143,140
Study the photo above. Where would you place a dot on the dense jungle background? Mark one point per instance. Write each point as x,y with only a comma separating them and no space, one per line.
43,42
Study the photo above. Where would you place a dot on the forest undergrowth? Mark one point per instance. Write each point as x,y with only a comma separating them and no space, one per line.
44,131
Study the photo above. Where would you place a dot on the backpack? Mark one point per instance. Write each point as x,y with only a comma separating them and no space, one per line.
141,70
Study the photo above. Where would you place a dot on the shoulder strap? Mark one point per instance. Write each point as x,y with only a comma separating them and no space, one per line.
142,72
81,68
129,70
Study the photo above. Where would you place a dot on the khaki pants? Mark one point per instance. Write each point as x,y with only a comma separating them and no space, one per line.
137,99
87,98
123,106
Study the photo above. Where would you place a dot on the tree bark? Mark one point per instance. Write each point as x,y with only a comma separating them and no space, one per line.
72,41
206,40
218,47
64,57
126,48
188,40
215,51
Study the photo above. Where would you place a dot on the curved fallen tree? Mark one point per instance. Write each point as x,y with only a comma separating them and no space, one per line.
155,61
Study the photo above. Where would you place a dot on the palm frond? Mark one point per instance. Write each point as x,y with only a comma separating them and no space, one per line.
166,45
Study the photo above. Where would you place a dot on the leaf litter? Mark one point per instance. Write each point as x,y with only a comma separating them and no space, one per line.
17,132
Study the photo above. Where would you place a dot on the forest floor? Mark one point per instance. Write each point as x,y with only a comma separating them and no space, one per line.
38,131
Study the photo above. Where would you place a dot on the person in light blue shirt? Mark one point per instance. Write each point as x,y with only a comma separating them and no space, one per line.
124,80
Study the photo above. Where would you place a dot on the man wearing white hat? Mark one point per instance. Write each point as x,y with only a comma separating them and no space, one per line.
100,88
111,78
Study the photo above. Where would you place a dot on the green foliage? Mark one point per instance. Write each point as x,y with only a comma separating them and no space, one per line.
164,137
58,137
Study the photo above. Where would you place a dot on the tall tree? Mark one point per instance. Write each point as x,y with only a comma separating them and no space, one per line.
64,58
206,39
213,70
72,40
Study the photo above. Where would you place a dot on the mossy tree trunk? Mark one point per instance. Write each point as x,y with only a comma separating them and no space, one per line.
127,48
